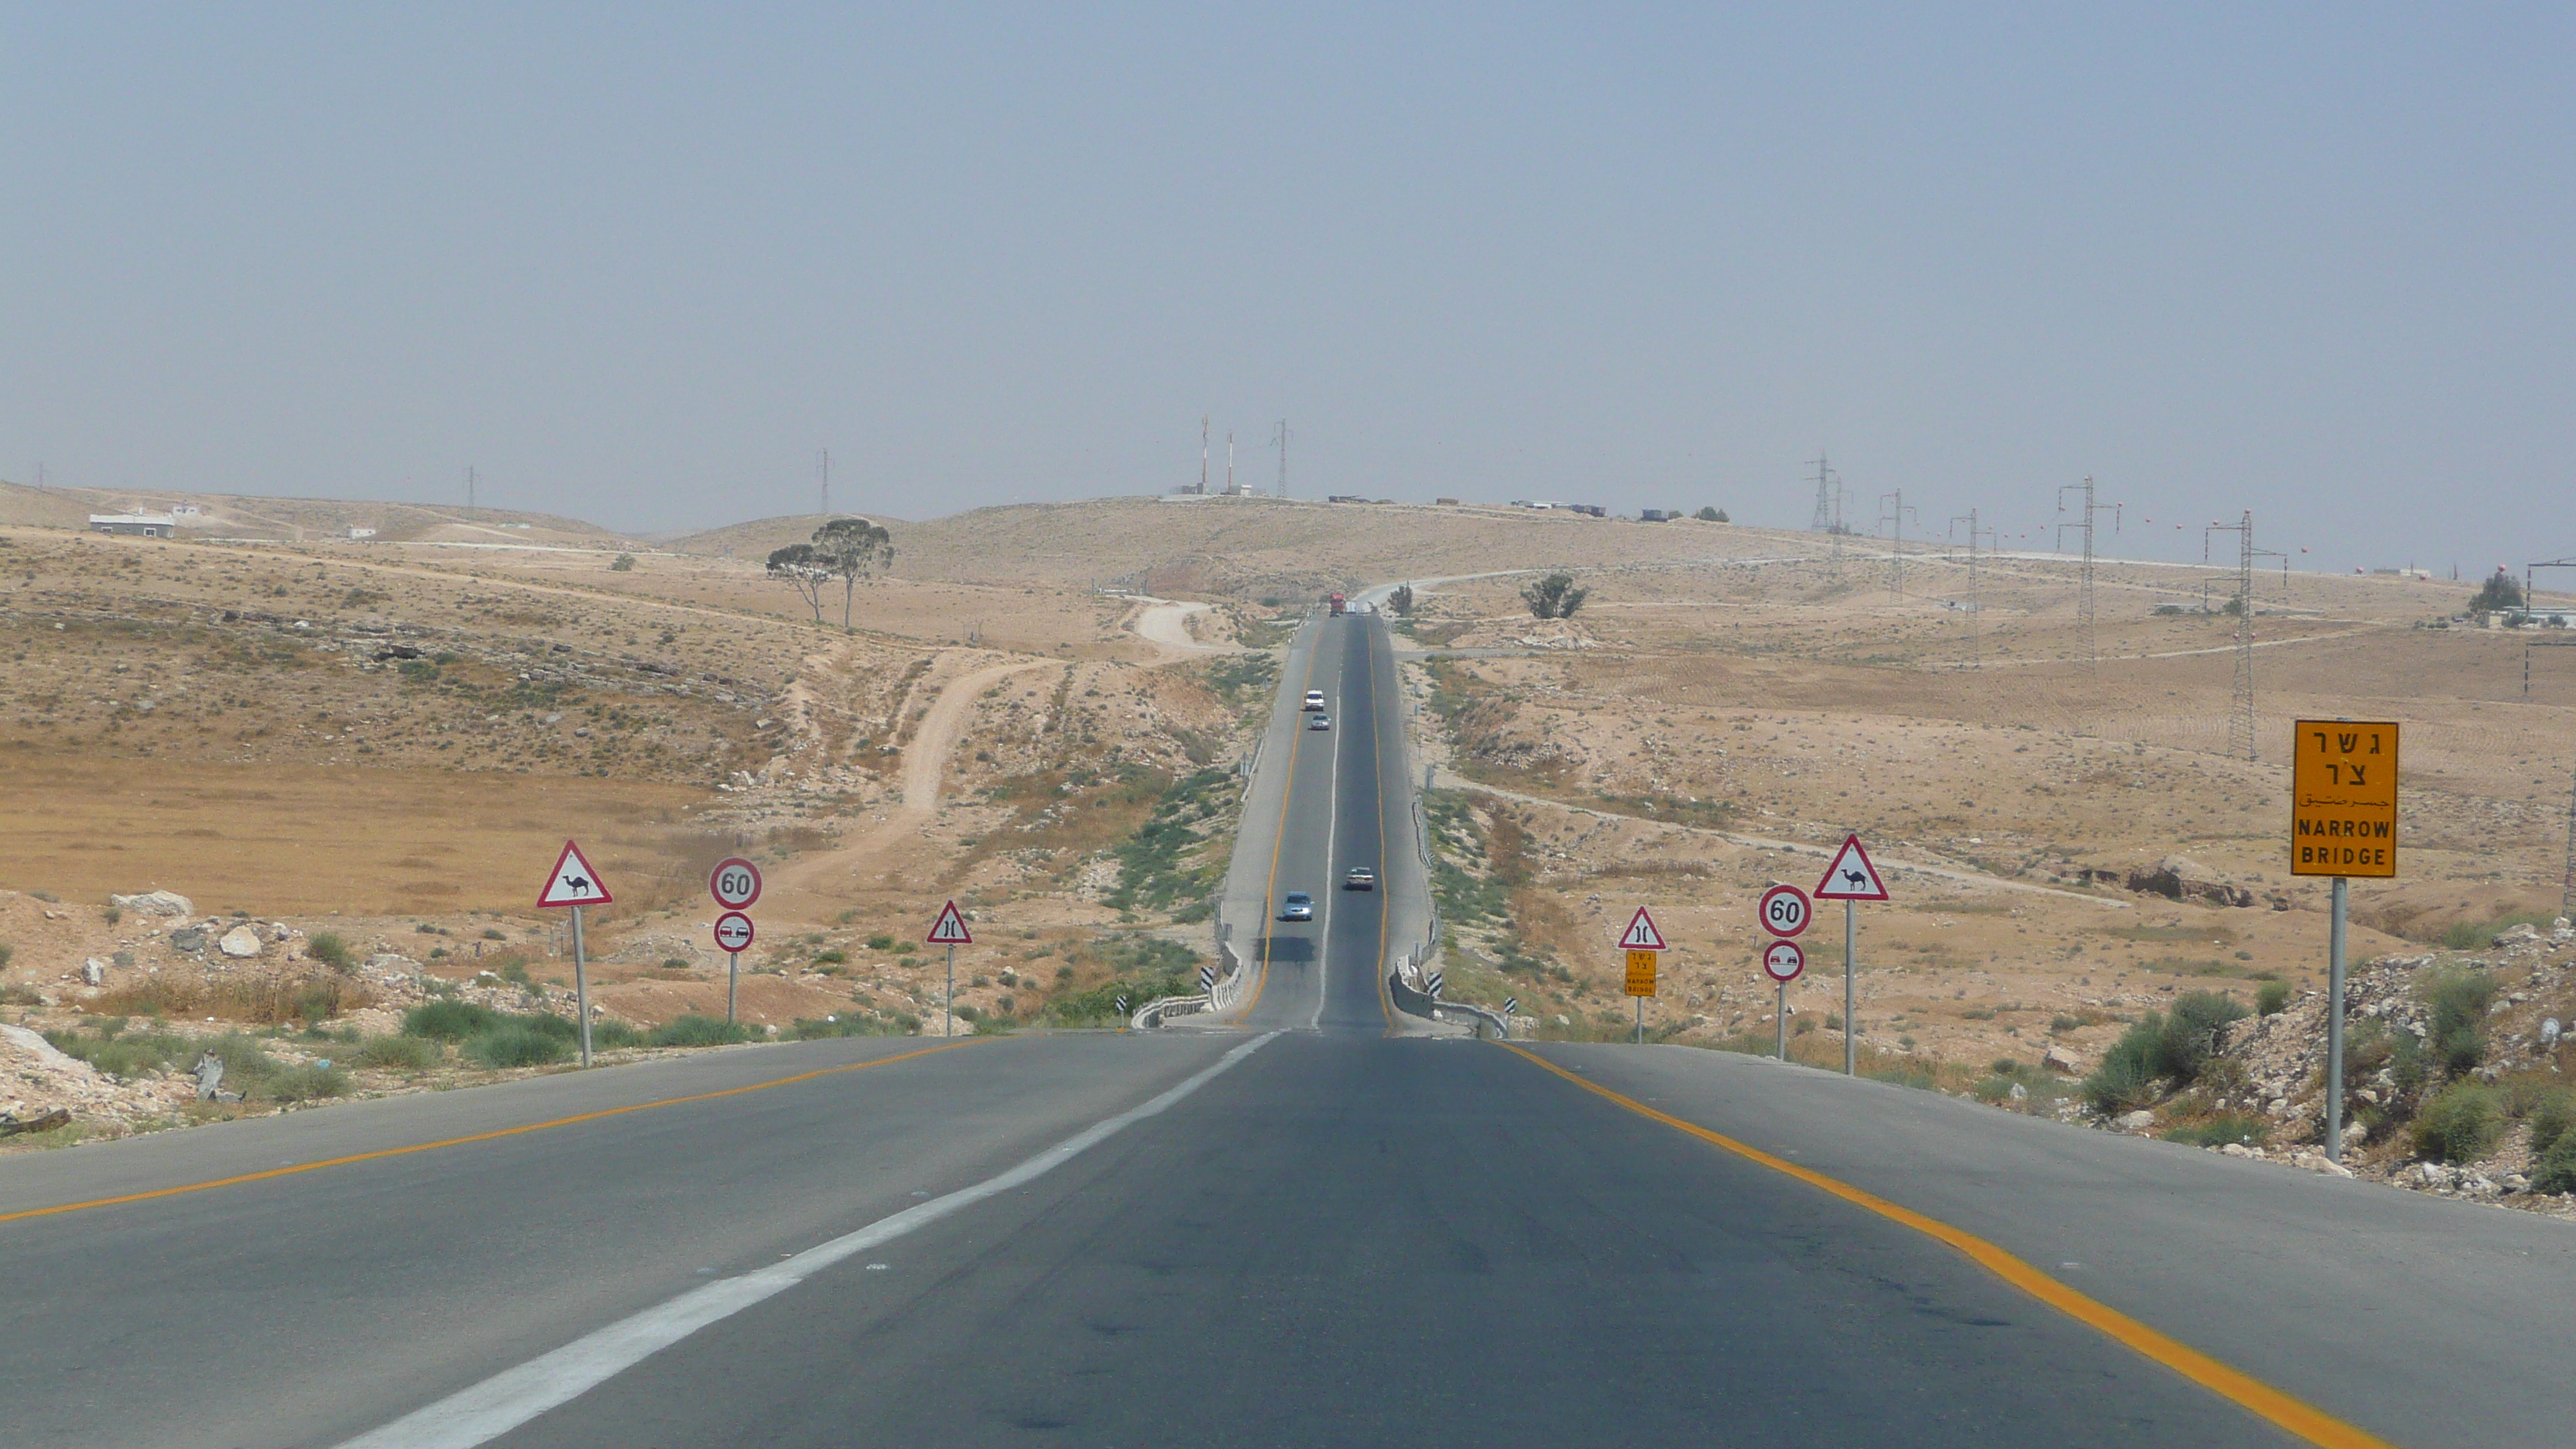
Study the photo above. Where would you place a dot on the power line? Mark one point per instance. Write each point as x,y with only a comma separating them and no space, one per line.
1280,440
823,471
2240,713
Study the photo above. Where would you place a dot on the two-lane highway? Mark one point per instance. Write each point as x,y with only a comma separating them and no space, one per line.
1345,802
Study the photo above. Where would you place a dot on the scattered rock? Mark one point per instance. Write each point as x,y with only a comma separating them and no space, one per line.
155,903
42,1122
2019,1093
241,943
2061,1061
2138,1121
210,1077
2517,935
93,972
2549,1032
188,938
2181,878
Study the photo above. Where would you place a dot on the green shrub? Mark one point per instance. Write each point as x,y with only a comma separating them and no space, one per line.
2555,1171
855,1024
517,1044
2126,1079
880,943
696,1031
449,1020
6,951
609,1034
1994,1089
2550,1120
2459,1125
398,1053
2192,1034
327,948
2222,1129
2459,1000
2272,998
624,563
304,1084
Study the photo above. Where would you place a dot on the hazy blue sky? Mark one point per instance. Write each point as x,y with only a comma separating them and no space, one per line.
640,263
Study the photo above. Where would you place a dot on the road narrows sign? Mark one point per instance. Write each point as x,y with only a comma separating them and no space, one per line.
573,882
2343,798
1785,911
735,883
1782,961
1641,934
1851,877
734,931
950,928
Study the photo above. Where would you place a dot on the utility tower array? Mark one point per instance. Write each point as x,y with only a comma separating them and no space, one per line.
823,475
1829,509
1203,452
1976,604
2092,655
469,490
1279,440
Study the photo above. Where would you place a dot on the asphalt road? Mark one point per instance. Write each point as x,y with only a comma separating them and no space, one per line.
1301,1232
1345,803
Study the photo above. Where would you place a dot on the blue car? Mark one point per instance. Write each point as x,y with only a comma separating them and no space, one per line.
1297,906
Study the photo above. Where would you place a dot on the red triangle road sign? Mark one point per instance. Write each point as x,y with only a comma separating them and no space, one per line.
1641,934
573,882
1851,877
950,928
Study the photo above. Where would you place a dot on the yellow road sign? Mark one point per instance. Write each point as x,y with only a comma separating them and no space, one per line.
2343,798
1641,973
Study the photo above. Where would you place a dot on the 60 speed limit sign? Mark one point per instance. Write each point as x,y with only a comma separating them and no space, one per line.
1785,911
735,883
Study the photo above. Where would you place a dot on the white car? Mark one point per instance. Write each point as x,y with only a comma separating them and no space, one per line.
1314,701
1320,722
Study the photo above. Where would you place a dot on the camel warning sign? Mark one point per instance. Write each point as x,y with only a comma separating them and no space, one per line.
1851,877
2343,798
573,883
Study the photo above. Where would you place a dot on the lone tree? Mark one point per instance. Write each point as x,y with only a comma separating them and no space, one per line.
1553,597
805,570
1400,599
2497,594
851,549
1712,515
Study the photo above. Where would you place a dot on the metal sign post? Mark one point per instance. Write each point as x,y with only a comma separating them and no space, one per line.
573,883
950,931
1785,912
1851,879
2343,823
580,987
734,934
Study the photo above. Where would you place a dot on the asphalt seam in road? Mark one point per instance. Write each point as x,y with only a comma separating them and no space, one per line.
2293,1415
503,1402
493,1136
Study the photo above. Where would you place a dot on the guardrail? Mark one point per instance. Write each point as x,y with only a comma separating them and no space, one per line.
1151,1014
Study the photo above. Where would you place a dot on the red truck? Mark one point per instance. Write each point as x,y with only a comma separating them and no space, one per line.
1336,601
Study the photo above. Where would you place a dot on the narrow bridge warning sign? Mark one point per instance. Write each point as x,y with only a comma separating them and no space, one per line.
2343,798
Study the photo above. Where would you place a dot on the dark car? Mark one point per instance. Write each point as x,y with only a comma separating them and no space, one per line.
1297,906
1359,878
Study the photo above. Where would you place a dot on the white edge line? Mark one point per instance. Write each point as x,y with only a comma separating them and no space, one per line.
508,1399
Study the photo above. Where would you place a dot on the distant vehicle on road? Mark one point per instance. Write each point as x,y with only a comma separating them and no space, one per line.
1297,906
1359,878
1337,602
1320,722
1314,700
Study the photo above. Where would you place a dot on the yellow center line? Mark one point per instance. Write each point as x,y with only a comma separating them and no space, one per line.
2238,1387
73,1207
1377,803
1287,799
